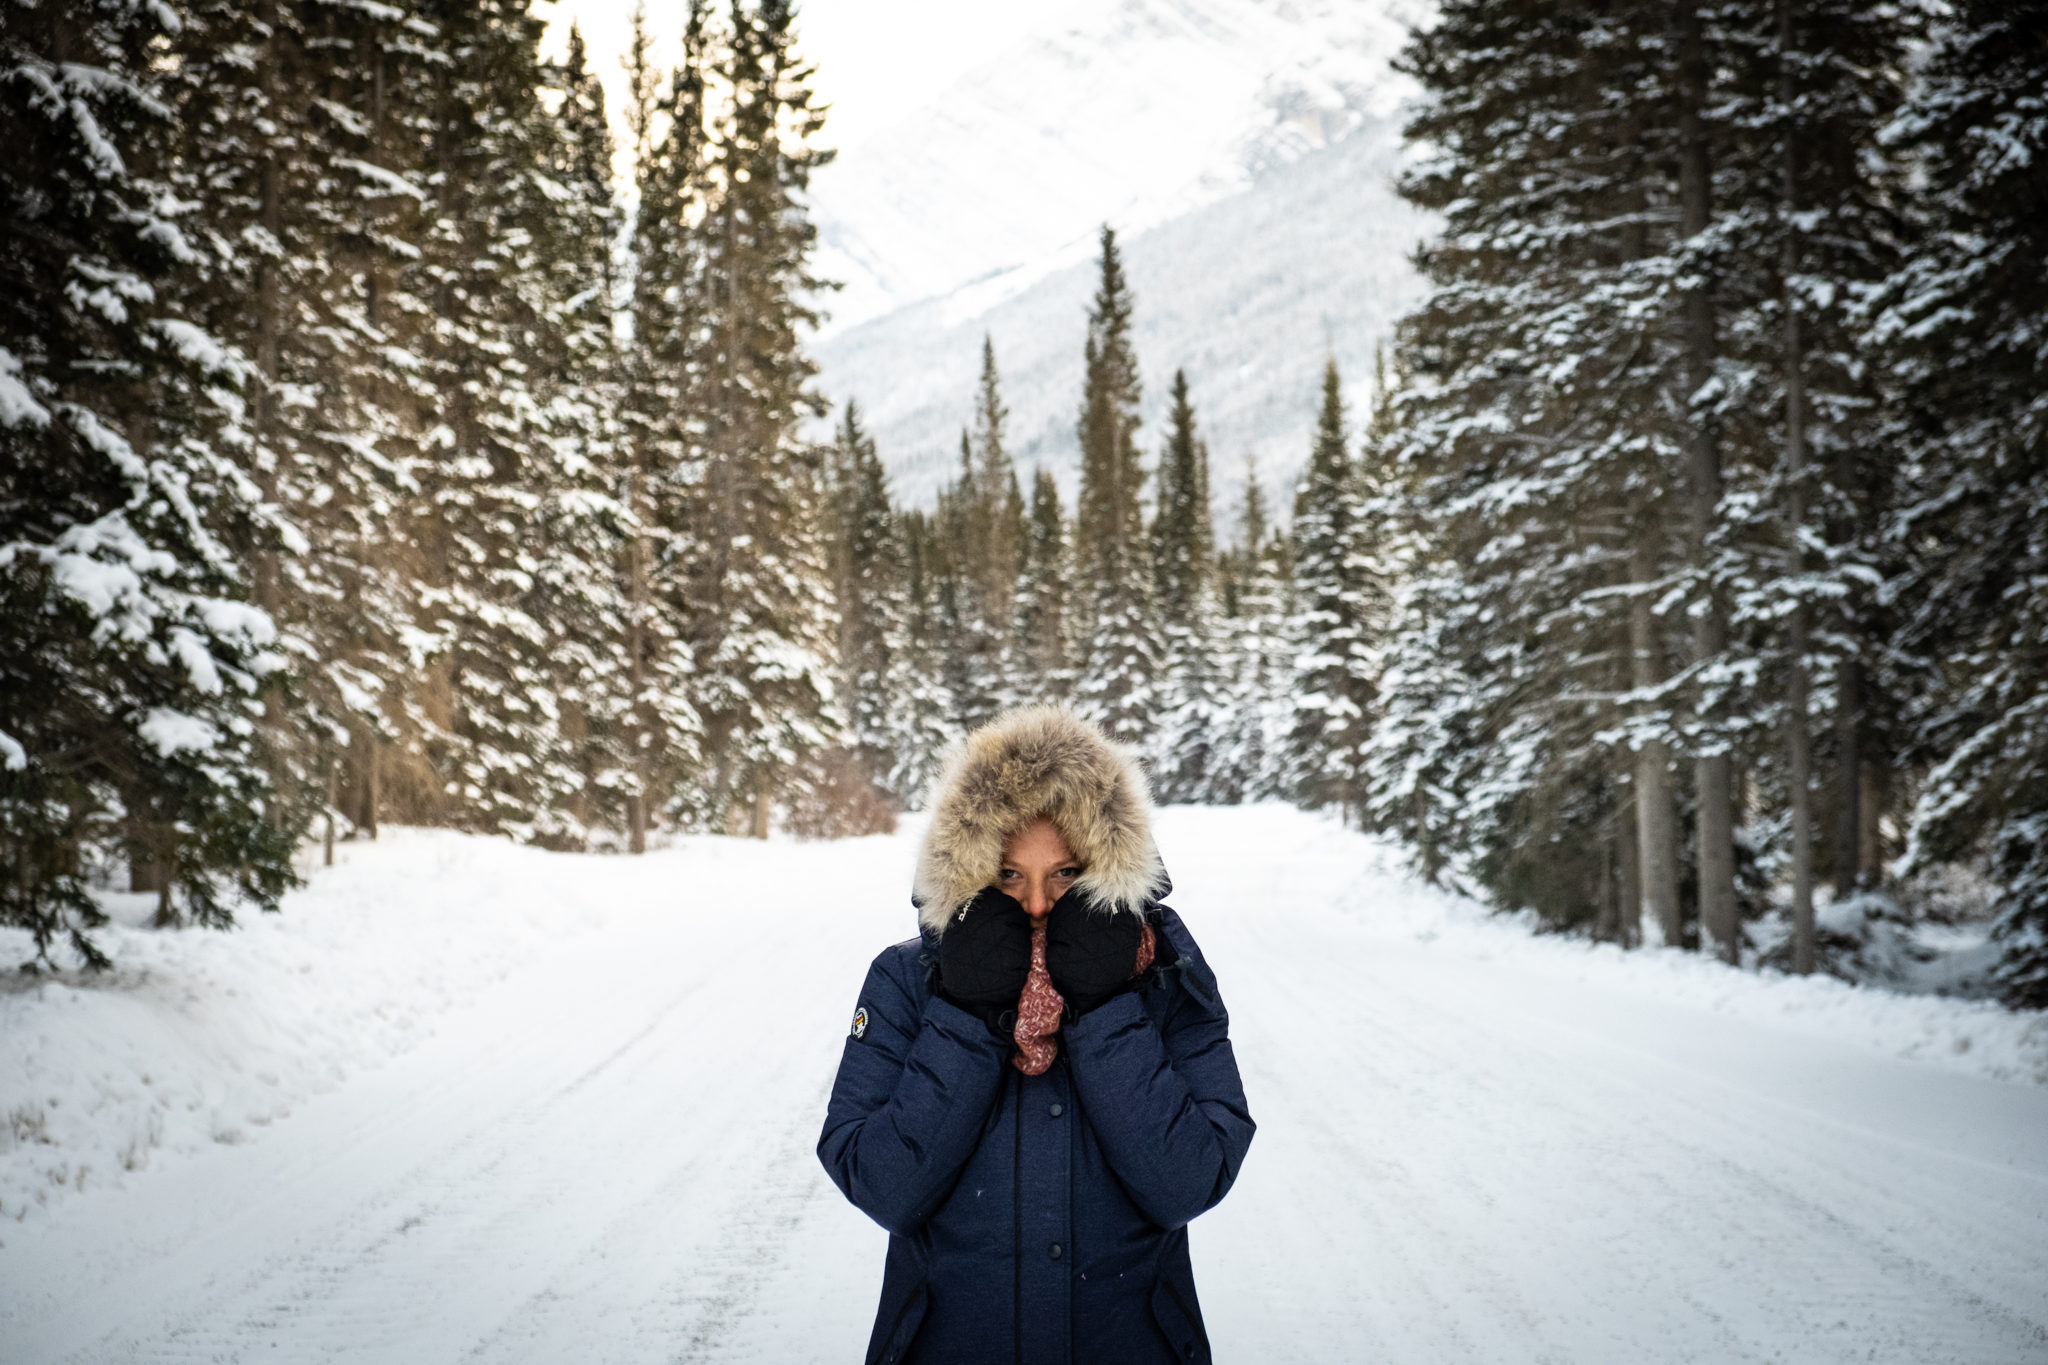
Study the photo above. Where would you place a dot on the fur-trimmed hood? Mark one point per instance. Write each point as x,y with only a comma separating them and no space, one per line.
1038,760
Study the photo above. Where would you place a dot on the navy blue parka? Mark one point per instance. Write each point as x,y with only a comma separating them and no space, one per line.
1038,1220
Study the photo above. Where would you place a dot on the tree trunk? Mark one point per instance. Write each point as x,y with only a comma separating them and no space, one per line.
1798,739
1607,924
333,795
636,652
370,784
1656,823
164,853
1628,850
1870,842
764,802
145,871
1849,773
1713,775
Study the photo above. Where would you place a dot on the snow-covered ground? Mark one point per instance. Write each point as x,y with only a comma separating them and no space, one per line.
468,1101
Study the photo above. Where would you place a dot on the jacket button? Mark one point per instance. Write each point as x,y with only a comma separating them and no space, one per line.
1056,1110
1055,1251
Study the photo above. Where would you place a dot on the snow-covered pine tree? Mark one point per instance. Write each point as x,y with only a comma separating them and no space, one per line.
1116,629
921,726
1039,666
868,577
985,526
488,691
1259,663
131,657
1963,327
293,137
1339,615
761,611
1816,225
663,381
576,593
1192,706
1540,463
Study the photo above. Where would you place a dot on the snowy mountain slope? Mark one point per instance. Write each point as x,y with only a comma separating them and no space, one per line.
1244,150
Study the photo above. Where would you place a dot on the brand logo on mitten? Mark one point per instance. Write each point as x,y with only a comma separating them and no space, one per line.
860,1021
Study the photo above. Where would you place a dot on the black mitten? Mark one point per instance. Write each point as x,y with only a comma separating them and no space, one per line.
984,958
1090,952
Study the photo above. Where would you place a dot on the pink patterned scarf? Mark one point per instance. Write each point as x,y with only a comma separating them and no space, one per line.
1039,1007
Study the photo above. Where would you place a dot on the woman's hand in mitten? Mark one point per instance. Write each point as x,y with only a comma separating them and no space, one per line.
984,957
1091,953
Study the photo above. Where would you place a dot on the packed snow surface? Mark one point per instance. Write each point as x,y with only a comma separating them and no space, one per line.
468,1101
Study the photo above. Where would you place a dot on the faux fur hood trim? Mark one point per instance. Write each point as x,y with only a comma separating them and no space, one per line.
1038,760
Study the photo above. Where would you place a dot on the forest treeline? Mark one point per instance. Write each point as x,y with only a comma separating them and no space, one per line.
368,457
362,463
1724,466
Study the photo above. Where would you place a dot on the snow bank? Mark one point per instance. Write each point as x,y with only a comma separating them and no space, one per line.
1973,1036
197,1037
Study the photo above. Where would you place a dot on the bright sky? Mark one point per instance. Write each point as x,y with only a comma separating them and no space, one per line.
877,59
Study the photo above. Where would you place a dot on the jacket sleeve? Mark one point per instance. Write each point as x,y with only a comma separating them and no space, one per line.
1164,1100
908,1105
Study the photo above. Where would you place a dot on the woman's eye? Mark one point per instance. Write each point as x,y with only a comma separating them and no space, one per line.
1007,874
1068,872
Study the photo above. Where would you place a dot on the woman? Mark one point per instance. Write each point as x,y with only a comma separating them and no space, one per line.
1038,1091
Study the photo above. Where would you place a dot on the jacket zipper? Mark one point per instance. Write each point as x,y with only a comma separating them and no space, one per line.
1017,1216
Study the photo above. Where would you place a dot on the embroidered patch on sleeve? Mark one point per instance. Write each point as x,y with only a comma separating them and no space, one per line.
860,1022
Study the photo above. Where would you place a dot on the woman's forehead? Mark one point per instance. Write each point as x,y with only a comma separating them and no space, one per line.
1039,836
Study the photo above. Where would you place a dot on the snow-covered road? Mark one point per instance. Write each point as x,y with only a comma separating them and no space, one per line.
1472,1146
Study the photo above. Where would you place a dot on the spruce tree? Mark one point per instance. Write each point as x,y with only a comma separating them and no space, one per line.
485,467
1962,330
1192,702
577,594
662,375
1542,457
1339,614
869,578
1040,660
986,531
1117,635
922,729
131,656
761,612
1258,661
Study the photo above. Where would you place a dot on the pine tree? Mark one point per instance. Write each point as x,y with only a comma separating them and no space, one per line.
576,591
922,729
1039,665
131,657
1963,330
1192,701
663,380
295,138
1542,456
1259,663
1339,615
1118,659
985,531
761,615
496,724
869,596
